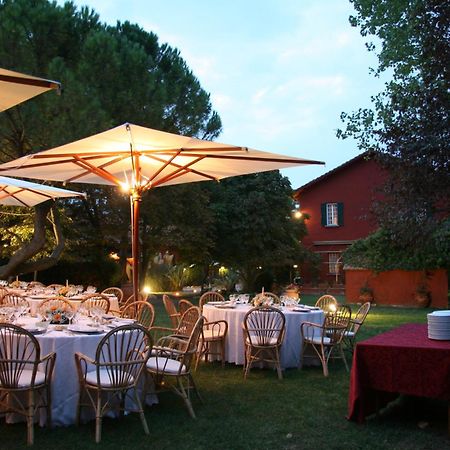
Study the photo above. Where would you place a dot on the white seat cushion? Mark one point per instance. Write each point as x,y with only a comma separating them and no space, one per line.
318,340
267,341
166,365
349,333
105,380
211,334
25,378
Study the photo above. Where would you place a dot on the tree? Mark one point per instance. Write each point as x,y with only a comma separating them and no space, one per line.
408,127
254,226
109,74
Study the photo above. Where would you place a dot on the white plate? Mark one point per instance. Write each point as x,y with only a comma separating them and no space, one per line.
444,312
214,303
35,330
84,329
226,306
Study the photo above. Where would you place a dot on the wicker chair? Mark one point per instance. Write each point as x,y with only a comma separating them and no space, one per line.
114,291
107,380
142,312
35,284
49,305
55,286
210,297
213,336
213,339
96,301
183,329
349,339
171,310
3,292
327,303
264,330
10,299
170,367
326,339
23,371
184,305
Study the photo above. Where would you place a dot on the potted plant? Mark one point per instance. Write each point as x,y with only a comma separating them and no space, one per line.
366,293
422,295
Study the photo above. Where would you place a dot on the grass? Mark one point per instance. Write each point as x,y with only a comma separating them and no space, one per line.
303,411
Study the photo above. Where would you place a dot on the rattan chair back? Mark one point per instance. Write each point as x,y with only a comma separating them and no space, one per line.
114,291
142,312
96,301
327,303
210,297
184,305
171,310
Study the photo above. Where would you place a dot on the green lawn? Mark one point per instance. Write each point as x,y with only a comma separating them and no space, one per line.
303,411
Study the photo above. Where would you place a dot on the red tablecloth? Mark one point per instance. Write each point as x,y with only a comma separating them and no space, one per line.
400,361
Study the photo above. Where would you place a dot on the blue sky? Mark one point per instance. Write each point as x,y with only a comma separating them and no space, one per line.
279,72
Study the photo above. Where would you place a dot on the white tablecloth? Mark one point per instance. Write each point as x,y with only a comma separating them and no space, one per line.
292,344
65,386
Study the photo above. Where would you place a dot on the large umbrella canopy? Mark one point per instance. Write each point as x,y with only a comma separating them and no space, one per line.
138,159
15,192
17,87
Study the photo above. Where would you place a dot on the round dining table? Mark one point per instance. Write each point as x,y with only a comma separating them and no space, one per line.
65,386
234,314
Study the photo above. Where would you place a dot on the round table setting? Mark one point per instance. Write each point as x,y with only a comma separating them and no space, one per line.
65,340
234,314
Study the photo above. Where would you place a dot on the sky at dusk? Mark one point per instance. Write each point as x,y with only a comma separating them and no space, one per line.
279,72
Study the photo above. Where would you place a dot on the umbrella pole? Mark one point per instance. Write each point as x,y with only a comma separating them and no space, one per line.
135,199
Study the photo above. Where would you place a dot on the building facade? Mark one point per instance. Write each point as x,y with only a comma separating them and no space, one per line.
339,209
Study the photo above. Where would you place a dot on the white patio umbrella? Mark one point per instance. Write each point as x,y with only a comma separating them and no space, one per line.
16,87
138,159
15,192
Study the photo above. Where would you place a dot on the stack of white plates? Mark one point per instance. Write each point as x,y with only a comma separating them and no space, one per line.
439,325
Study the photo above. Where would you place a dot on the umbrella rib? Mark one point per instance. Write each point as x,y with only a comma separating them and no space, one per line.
148,184
13,195
259,158
93,169
180,170
101,167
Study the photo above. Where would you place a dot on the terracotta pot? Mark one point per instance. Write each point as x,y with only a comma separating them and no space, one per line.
366,297
423,299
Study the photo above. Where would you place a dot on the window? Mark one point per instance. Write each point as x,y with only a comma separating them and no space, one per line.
333,263
332,214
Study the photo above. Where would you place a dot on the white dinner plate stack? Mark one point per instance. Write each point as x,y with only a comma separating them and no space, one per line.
439,325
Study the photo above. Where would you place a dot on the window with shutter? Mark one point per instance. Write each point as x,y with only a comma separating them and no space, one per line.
332,214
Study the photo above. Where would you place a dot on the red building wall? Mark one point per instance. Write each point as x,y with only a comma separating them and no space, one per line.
354,184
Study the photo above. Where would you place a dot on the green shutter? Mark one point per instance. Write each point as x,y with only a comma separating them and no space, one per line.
323,208
340,207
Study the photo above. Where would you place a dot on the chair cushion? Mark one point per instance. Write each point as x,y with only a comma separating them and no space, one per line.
91,377
317,340
25,378
255,341
166,365
349,333
209,335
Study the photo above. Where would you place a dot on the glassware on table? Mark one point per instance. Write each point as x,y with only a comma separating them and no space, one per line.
244,298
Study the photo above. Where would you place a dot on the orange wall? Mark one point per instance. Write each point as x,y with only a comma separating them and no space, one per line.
397,287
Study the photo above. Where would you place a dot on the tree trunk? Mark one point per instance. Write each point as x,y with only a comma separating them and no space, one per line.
18,263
